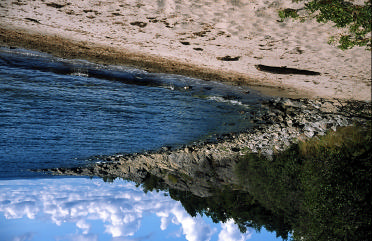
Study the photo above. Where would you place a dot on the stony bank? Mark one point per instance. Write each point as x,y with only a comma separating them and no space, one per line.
203,166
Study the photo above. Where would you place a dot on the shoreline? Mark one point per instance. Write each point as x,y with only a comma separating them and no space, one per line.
216,40
285,122
105,55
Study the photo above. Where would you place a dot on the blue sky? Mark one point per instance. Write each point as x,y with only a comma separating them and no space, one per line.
90,209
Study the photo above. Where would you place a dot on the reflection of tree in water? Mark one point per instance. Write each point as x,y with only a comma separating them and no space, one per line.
223,205
320,190
237,205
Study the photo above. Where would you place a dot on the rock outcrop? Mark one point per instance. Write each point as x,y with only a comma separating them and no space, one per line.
202,167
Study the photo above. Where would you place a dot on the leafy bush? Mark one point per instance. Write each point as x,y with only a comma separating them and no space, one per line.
356,18
336,180
322,186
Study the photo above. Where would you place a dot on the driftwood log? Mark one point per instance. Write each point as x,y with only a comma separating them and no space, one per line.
285,70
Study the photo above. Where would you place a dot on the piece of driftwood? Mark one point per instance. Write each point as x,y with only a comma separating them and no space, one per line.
56,5
228,58
33,20
285,70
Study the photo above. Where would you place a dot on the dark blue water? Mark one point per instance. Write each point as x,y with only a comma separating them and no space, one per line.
59,113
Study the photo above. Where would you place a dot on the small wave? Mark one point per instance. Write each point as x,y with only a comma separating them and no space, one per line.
80,74
221,99
23,52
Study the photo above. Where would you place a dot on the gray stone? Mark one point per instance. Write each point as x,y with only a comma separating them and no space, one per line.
284,122
309,134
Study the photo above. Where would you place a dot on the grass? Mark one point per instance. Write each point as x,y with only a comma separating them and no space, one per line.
350,138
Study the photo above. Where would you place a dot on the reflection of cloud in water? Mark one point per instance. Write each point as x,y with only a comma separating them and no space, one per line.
119,205
231,232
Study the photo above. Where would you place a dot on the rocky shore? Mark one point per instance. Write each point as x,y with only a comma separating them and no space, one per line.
198,168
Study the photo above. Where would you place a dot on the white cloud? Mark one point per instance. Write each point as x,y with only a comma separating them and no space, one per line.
77,200
78,237
231,232
21,209
164,219
120,206
24,237
83,225
195,229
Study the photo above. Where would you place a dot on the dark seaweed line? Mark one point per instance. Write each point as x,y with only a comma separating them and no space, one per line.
285,70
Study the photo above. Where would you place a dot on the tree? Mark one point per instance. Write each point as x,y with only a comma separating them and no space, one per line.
356,19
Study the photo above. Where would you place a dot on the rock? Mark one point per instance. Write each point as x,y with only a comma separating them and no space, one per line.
196,168
289,103
289,123
166,148
309,134
188,149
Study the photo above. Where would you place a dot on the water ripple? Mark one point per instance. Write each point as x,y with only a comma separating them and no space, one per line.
52,116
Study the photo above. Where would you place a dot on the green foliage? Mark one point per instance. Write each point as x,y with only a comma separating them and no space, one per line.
238,205
351,140
288,13
224,205
336,179
356,18
172,178
151,183
318,190
275,184
323,186
109,179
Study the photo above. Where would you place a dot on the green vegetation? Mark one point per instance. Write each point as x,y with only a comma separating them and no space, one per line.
323,186
316,190
233,204
357,19
336,182
172,178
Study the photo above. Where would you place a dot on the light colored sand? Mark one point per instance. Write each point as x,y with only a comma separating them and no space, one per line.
213,29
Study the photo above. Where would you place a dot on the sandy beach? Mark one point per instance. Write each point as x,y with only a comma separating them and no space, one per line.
213,40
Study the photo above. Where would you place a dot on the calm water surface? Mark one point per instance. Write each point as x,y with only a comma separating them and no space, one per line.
63,113
56,113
